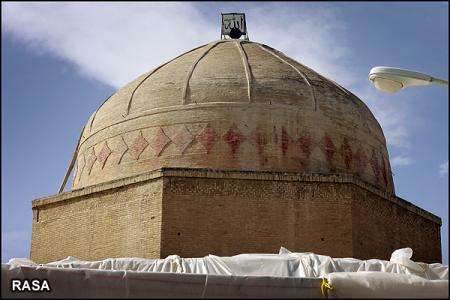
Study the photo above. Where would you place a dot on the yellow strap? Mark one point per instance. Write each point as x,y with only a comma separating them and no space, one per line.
325,285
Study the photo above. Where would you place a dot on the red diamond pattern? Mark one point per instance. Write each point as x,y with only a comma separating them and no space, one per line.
159,141
104,154
207,138
306,144
328,148
285,140
182,139
258,138
138,146
91,160
360,159
346,152
233,138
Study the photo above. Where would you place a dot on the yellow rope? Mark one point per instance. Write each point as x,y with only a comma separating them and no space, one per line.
325,285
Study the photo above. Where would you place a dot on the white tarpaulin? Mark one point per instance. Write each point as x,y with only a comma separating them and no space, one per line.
384,285
285,275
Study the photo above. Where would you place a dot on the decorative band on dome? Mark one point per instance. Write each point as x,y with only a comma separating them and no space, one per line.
270,98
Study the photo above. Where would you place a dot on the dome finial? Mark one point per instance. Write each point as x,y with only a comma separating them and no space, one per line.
234,26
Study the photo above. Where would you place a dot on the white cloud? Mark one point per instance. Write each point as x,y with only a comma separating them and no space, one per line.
401,160
116,42
15,244
443,169
306,34
110,42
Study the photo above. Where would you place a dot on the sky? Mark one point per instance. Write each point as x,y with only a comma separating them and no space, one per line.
60,61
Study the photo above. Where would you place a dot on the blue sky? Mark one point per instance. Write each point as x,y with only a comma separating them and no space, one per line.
61,60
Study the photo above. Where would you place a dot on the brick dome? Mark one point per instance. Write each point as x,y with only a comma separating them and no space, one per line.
232,104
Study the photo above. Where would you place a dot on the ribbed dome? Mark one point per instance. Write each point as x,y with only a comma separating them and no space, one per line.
232,104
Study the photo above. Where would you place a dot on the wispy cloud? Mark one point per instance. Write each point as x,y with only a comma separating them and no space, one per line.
401,160
109,42
306,34
115,42
443,169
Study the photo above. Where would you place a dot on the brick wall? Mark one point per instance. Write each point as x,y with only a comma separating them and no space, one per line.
258,212
194,213
226,217
380,227
120,222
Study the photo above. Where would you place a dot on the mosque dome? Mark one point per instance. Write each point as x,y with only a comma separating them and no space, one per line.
234,105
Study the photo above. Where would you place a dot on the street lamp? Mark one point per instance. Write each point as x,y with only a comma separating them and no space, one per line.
392,80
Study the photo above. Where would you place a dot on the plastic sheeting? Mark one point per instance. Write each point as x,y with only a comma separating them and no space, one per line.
285,274
91,283
384,285
284,264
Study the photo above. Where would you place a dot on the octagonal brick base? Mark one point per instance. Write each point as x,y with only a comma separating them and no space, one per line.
196,212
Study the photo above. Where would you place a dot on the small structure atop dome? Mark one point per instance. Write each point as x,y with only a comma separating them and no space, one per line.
234,26
232,147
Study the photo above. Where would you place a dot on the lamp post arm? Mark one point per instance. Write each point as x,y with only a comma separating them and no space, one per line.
440,81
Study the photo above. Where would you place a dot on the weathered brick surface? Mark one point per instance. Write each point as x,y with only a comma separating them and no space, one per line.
194,213
380,228
119,222
233,105
227,217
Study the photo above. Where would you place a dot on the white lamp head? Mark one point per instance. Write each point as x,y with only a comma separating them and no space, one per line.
392,80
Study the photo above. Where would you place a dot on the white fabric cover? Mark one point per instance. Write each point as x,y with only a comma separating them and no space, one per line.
348,276
93,283
384,285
